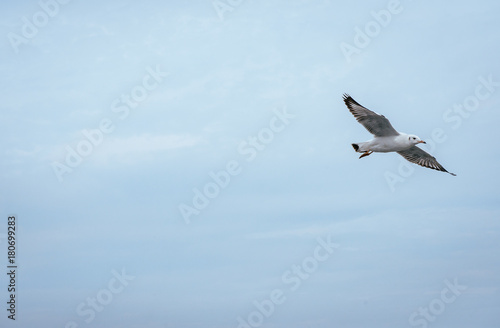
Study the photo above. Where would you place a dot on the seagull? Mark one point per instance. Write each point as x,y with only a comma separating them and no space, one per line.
387,139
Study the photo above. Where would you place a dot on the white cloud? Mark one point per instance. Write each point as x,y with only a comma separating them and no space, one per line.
427,223
148,143
141,147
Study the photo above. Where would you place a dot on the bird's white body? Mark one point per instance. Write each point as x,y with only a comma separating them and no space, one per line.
400,142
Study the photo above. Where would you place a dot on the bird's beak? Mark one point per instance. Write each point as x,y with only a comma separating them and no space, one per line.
421,141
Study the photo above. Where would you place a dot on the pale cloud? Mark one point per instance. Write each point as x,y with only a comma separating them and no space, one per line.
147,143
292,233
390,222
131,149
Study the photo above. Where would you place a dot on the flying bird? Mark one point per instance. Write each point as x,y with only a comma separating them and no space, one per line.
387,139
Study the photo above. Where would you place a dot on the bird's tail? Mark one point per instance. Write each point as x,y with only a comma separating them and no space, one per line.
360,147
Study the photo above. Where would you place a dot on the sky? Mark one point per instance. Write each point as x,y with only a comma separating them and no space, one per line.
188,164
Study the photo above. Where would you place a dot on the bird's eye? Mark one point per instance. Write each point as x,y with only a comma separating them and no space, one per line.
413,138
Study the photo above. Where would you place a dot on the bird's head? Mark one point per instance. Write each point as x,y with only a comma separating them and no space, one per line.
415,140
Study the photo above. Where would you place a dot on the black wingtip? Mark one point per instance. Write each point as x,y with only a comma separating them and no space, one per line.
442,169
356,147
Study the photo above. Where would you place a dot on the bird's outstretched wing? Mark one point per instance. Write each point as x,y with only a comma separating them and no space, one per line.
420,157
376,124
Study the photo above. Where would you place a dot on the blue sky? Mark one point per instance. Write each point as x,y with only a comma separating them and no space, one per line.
118,117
